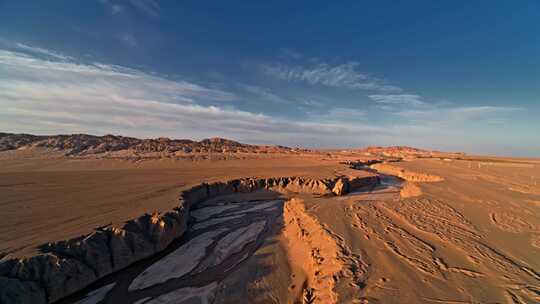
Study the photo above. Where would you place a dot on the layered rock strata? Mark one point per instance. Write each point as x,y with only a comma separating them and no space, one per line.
407,175
65,267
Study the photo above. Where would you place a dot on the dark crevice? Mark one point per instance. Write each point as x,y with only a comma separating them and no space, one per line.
110,249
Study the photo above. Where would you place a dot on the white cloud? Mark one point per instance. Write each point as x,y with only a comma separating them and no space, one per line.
412,108
40,51
25,73
339,76
339,115
264,94
47,94
398,99
457,115
471,111
312,103
56,96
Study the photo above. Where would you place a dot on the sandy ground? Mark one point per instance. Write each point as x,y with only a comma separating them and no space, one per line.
471,238
67,198
470,233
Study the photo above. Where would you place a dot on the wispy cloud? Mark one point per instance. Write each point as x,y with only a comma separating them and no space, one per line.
149,7
398,99
40,51
44,93
482,110
19,70
309,102
264,94
339,115
413,109
57,96
338,76
456,115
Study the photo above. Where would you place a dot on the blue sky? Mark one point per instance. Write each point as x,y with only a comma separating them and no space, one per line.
453,75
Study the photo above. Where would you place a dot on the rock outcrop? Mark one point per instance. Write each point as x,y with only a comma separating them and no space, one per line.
410,189
67,266
341,187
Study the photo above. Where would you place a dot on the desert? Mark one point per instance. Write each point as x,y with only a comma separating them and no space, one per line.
375,225
269,152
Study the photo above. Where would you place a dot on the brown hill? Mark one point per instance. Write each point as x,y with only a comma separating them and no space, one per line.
84,144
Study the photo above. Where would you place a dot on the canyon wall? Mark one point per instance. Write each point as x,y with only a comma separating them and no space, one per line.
68,266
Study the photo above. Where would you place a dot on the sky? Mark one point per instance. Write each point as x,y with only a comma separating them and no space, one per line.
446,75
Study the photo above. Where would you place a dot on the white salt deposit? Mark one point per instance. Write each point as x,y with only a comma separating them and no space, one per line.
232,243
177,263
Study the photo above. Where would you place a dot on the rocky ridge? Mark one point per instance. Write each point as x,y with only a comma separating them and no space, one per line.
404,152
68,266
84,144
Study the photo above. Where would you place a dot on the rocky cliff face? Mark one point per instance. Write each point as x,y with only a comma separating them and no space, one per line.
83,144
68,266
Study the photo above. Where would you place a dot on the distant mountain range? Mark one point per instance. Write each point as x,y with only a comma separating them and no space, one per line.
84,144
121,146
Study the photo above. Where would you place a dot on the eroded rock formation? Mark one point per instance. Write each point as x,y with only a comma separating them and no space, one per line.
68,266
407,175
314,254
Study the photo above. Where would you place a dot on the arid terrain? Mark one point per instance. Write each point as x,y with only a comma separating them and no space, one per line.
111,219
